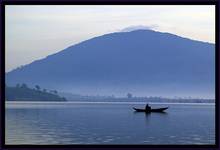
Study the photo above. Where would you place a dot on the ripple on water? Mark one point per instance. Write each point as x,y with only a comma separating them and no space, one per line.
67,125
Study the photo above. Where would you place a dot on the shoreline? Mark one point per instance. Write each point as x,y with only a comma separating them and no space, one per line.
100,102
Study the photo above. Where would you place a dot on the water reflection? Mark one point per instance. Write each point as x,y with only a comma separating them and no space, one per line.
108,124
148,116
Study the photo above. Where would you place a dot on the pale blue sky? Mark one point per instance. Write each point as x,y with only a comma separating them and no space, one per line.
33,32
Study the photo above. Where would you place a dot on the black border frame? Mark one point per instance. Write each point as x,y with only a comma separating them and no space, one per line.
108,2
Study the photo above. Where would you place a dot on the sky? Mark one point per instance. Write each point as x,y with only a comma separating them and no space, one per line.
34,32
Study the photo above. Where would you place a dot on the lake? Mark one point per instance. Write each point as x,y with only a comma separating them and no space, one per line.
108,123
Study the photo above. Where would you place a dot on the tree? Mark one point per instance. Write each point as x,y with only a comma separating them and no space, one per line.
24,86
45,90
55,92
17,85
37,87
129,95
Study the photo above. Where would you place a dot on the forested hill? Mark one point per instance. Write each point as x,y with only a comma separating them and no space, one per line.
24,93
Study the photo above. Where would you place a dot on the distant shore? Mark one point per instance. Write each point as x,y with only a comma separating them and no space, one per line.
97,102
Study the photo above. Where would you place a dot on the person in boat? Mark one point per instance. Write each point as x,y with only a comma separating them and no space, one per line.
147,107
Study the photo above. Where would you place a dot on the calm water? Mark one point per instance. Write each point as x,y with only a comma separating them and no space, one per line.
108,123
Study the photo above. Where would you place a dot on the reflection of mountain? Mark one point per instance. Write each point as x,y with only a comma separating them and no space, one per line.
143,61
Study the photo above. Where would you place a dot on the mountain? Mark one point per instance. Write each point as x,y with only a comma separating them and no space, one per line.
143,62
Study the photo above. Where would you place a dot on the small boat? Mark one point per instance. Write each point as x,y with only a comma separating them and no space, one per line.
159,110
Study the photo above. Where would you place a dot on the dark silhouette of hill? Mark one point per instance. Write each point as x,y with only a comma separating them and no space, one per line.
24,93
142,61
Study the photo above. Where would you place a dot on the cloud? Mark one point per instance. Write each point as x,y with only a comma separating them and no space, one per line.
139,27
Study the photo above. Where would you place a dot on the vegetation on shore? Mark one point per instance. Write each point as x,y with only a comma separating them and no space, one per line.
24,93
130,98
21,92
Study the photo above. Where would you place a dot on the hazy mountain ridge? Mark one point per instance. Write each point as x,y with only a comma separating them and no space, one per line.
139,60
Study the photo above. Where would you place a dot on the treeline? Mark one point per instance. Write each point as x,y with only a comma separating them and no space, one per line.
130,98
153,99
21,92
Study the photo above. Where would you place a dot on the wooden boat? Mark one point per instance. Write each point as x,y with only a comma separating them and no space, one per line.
159,110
